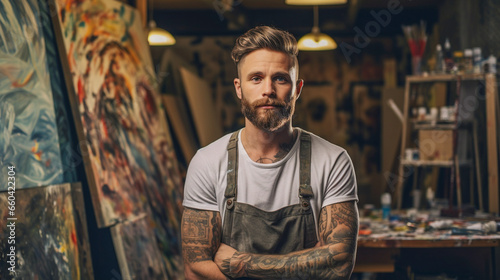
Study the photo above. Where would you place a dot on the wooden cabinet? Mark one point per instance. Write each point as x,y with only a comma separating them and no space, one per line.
466,139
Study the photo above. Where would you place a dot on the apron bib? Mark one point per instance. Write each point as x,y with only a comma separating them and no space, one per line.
249,229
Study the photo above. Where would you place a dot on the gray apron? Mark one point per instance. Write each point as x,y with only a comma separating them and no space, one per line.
249,229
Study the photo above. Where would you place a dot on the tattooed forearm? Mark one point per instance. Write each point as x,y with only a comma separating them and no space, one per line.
338,223
327,262
338,228
201,235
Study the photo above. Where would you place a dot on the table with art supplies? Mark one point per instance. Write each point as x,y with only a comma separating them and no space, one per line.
415,242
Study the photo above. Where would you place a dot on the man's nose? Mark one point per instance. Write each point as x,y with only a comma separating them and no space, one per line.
269,88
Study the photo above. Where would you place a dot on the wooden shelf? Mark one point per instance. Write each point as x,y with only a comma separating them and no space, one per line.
442,163
437,126
409,126
446,78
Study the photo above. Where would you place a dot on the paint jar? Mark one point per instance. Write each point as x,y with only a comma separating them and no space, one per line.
414,112
468,61
458,59
433,115
409,154
444,114
448,58
451,113
385,200
368,210
416,154
440,65
422,113
492,64
477,58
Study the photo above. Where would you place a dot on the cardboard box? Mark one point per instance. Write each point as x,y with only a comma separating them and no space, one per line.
435,144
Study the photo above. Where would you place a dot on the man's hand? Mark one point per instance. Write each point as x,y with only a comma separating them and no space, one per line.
223,258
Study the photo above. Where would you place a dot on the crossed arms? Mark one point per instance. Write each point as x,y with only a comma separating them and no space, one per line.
333,258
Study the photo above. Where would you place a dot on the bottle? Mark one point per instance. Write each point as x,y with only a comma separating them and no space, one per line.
468,62
458,59
440,66
385,200
492,64
477,58
448,58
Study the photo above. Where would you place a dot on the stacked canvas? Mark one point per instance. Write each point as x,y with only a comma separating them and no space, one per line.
123,144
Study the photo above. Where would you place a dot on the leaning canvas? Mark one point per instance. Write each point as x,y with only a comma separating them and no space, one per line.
117,107
128,153
28,131
136,250
50,239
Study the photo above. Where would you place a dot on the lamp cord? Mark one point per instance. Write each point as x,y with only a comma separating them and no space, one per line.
150,8
316,16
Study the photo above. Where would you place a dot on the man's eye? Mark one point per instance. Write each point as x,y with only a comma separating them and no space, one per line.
280,79
255,79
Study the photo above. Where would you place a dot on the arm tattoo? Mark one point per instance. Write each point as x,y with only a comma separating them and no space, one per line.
338,227
201,235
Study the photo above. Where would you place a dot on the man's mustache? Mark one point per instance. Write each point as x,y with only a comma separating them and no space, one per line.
268,102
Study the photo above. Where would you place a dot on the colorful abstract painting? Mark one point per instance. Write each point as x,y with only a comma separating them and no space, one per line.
28,131
51,240
128,152
136,250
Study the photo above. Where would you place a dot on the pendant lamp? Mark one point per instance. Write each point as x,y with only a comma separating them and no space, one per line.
158,36
316,41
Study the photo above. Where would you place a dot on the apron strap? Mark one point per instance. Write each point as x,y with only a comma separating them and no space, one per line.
232,169
305,190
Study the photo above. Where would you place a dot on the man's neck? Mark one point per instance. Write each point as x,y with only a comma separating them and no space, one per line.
268,147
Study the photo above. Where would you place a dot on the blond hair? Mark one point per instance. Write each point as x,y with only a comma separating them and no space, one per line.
265,37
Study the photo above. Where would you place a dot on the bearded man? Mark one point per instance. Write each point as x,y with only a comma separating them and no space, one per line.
270,201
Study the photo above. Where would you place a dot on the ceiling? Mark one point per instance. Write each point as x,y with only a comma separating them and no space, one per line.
272,4
229,17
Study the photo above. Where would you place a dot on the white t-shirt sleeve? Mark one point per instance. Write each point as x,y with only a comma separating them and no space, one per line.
341,182
200,185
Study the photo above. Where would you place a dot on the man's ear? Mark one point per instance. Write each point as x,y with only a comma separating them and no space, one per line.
237,87
298,89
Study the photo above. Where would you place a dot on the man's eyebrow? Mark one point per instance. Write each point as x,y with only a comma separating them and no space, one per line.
280,73
251,74
260,73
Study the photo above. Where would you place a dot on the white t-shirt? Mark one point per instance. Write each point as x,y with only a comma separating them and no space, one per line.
272,186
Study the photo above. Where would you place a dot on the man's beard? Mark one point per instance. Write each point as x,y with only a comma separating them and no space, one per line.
269,120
